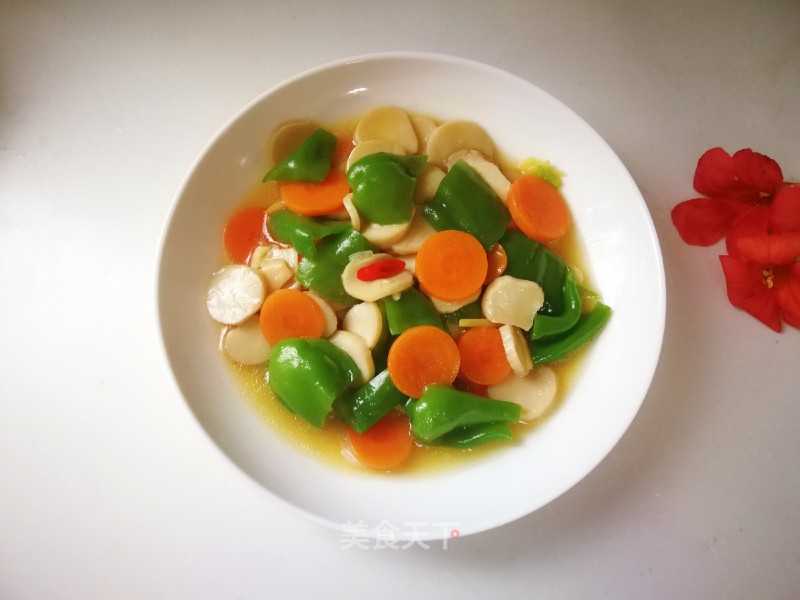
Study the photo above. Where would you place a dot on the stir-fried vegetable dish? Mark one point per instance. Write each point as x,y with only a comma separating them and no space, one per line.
404,283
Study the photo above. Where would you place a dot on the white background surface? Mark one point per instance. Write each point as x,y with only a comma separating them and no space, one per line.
109,488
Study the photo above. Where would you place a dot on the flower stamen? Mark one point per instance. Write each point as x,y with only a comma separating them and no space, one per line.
768,277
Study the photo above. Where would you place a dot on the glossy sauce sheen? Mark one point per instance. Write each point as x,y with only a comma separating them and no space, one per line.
329,443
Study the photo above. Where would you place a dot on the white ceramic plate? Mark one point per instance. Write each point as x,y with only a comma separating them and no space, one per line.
619,240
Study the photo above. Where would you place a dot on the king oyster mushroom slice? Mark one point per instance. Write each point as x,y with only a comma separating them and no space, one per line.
387,123
236,293
368,147
516,349
366,320
386,236
453,136
428,182
288,137
423,127
511,301
331,322
371,291
535,392
450,307
245,344
488,171
355,218
418,231
354,345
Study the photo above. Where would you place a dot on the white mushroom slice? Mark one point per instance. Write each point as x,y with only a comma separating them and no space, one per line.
535,392
450,307
276,206
512,301
387,123
366,320
385,236
357,256
236,292
259,255
276,271
457,135
423,127
488,171
355,218
517,351
292,284
358,350
331,322
368,147
370,291
287,254
411,263
418,231
428,182
288,137
245,344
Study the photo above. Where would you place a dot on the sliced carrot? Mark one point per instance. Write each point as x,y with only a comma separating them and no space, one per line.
483,358
315,199
498,261
538,209
243,233
421,356
451,265
290,314
384,445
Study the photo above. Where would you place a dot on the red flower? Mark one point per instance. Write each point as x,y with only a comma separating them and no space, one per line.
762,271
735,185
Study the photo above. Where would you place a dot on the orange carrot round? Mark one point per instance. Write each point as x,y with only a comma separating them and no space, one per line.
498,261
244,232
538,209
421,356
315,199
483,358
451,265
290,314
384,445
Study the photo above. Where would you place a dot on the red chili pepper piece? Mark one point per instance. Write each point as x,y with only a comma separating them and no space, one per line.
381,269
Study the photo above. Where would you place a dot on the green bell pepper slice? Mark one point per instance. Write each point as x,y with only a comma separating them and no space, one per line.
383,186
442,409
475,435
463,201
411,309
302,232
546,326
322,273
309,162
528,259
370,403
308,375
588,326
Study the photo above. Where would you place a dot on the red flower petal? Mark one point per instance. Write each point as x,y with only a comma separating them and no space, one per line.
753,223
715,173
705,221
746,290
757,171
787,284
775,249
785,215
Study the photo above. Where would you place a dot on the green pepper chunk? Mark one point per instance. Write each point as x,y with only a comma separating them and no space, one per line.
383,186
442,409
589,325
308,375
463,201
370,403
546,326
528,259
309,162
302,232
411,309
322,273
475,435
